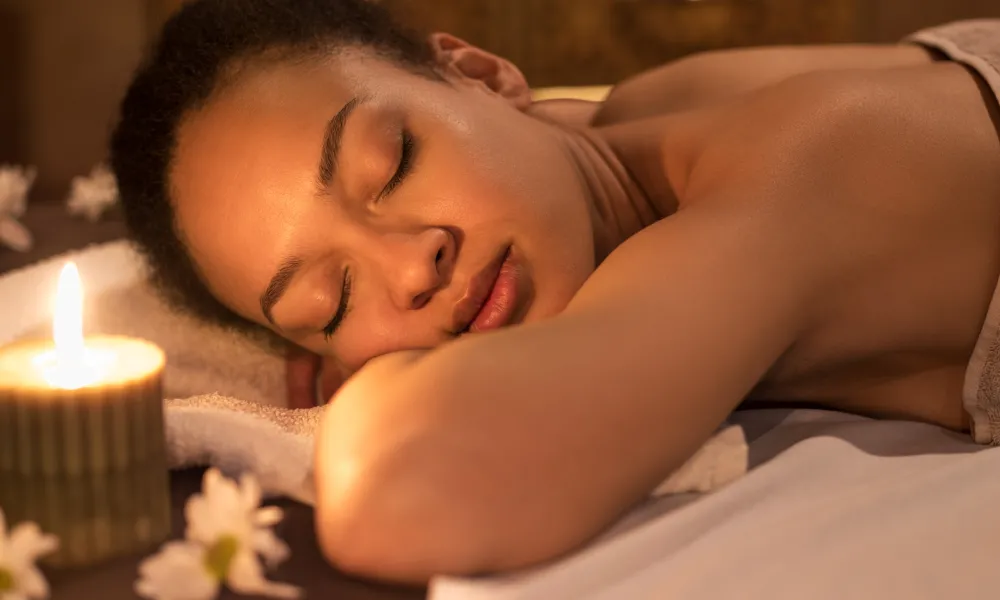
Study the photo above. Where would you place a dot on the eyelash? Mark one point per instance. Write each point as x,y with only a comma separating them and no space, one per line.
407,144
342,308
407,151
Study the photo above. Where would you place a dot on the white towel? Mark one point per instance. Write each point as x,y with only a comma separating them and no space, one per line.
227,401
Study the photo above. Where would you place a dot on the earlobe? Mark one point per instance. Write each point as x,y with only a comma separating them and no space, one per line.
458,58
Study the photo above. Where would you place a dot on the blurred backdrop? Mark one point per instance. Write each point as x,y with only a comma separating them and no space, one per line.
64,63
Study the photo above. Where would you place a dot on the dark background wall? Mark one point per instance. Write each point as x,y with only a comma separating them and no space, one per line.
62,69
64,63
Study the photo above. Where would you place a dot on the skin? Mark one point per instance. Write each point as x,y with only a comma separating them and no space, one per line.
813,224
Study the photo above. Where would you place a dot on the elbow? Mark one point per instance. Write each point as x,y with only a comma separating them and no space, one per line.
403,494
389,507
391,524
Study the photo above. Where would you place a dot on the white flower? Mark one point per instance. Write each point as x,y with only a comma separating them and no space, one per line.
90,196
15,182
20,579
227,531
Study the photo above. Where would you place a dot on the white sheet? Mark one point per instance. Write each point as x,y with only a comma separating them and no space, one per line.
837,507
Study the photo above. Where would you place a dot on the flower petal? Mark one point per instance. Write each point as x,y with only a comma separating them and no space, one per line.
225,498
210,480
177,572
27,543
31,583
245,572
201,524
215,512
15,235
276,589
246,577
250,492
268,545
267,516
225,493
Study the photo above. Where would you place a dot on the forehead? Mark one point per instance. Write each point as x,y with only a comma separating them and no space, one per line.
251,150
268,119
287,93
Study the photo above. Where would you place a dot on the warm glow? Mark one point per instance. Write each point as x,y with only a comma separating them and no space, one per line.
67,322
72,365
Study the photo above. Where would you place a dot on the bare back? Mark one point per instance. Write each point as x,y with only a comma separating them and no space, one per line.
914,194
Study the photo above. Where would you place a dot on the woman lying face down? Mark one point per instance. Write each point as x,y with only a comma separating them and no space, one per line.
541,309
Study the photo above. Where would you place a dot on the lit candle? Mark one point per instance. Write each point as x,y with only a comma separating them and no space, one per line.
82,447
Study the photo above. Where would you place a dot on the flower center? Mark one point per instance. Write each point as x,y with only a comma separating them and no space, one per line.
217,559
6,580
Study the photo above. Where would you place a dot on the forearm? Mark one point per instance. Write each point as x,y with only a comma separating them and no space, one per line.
473,459
497,454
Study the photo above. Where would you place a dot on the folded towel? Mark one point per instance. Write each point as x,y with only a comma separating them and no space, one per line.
276,444
228,395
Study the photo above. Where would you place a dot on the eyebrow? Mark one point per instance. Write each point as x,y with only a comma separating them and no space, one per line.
332,142
328,159
278,285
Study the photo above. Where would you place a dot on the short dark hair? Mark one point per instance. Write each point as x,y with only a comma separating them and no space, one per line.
197,50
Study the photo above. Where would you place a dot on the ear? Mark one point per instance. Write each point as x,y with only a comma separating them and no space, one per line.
458,58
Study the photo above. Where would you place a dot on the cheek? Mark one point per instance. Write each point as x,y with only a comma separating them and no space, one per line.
512,171
545,218
513,182
376,328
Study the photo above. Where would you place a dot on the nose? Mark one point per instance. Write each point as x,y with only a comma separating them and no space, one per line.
418,264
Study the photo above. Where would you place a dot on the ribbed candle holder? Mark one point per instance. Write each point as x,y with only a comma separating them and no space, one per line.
89,464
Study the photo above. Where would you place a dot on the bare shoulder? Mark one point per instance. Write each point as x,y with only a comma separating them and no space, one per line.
715,76
842,136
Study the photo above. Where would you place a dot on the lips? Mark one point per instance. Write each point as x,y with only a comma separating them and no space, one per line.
491,298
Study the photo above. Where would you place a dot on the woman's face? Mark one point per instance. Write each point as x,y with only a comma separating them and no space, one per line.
356,208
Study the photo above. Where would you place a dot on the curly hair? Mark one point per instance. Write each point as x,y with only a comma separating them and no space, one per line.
199,52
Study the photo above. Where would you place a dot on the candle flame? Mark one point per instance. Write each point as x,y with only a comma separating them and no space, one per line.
67,323
72,365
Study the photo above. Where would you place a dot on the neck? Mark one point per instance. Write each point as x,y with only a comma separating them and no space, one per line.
623,198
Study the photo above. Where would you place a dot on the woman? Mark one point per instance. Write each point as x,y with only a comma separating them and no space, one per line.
544,309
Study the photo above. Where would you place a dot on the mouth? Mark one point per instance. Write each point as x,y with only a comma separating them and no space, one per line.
490,301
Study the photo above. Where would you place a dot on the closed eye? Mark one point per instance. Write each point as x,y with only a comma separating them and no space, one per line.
406,154
342,309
